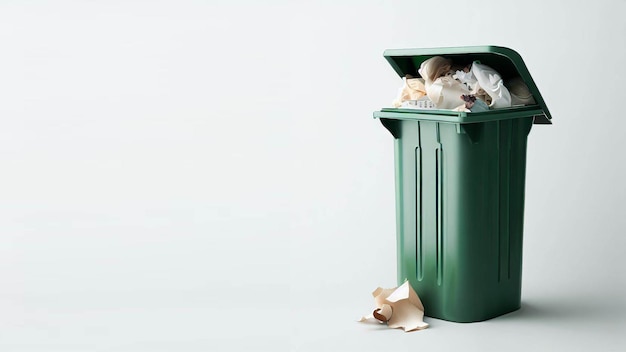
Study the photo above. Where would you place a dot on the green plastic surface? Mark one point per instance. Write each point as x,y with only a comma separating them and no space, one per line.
460,181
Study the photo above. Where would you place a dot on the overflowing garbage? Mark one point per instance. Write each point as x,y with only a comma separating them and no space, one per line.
472,88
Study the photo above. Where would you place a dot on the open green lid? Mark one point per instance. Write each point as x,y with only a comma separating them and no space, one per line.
504,60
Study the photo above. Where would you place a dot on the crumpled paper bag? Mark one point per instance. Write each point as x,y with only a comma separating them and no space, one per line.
412,89
399,307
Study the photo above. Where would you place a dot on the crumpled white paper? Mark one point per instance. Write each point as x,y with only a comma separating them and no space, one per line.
490,81
412,89
399,307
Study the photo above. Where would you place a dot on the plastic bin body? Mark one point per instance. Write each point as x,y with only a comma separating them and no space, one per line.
460,180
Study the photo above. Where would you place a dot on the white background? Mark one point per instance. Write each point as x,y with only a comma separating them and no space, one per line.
207,175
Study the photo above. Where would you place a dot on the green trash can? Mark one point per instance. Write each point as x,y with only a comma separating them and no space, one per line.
460,192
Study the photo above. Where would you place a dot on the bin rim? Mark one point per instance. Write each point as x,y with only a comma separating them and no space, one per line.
461,117
396,58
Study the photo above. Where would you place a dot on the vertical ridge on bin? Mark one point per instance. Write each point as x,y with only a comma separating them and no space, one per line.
399,209
439,206
504,209
498,192
409,133
419,252
507,175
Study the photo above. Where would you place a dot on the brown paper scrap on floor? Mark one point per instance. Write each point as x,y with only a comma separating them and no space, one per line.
399,307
